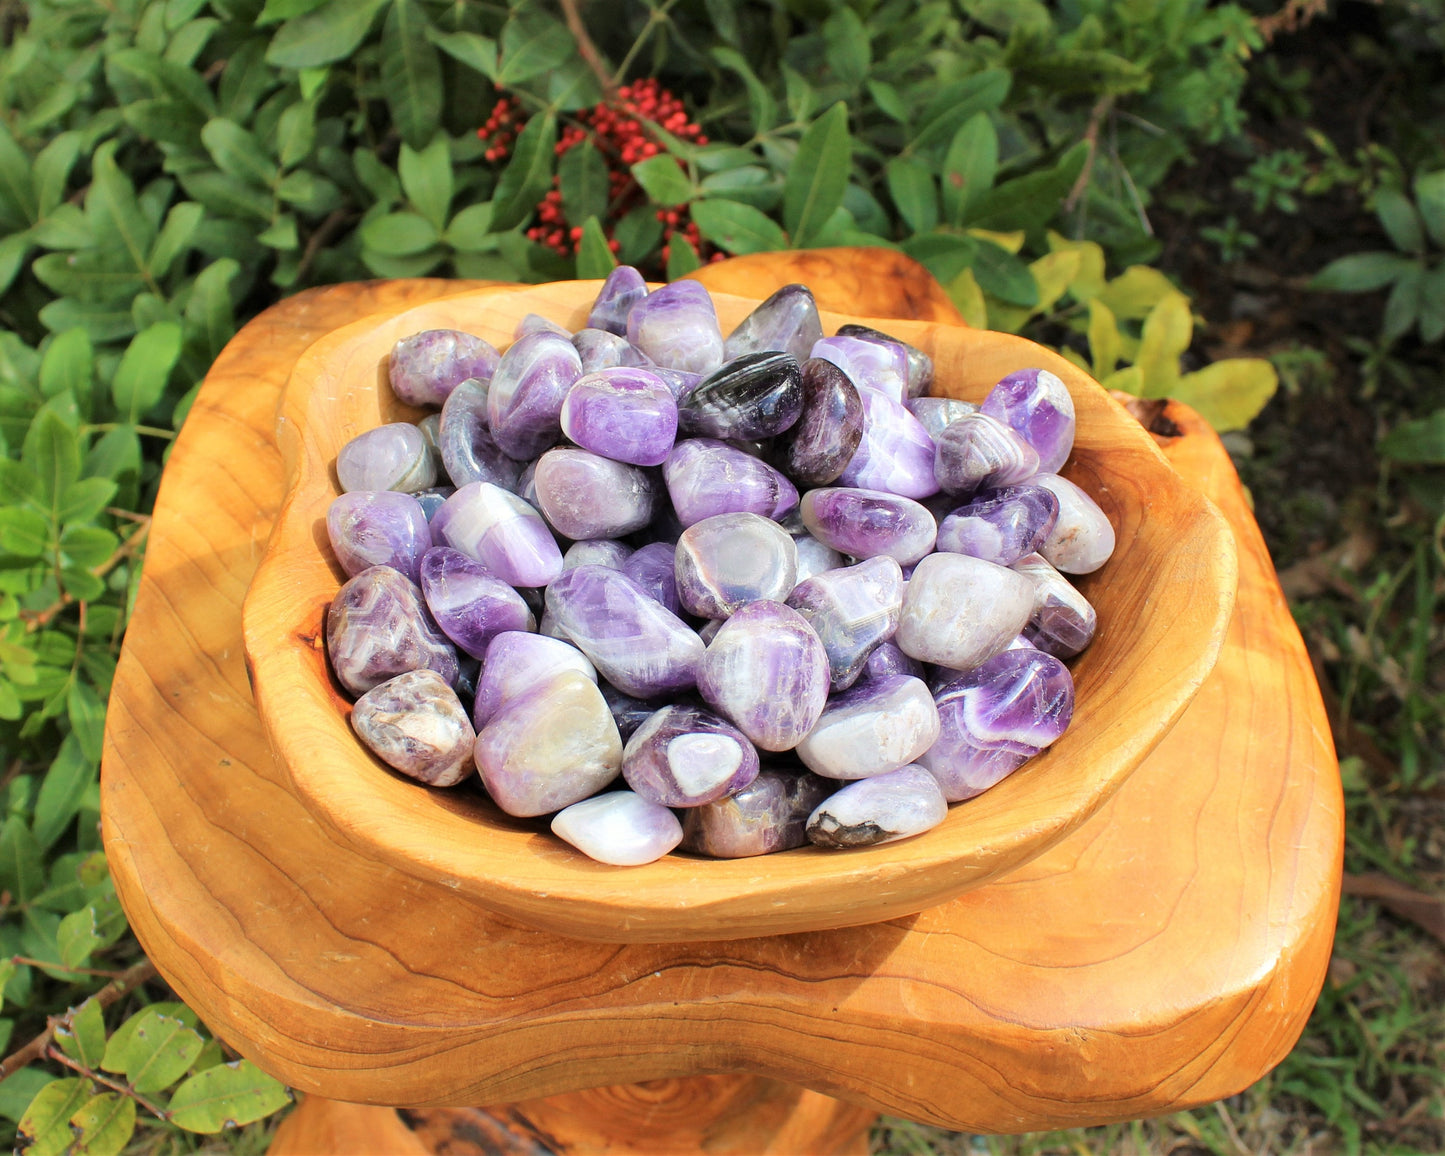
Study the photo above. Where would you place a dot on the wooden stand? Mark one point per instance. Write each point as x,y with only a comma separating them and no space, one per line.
1166,954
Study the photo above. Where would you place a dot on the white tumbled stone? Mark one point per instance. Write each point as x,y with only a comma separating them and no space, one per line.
958,611
619,828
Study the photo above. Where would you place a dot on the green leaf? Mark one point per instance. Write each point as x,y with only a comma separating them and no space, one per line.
736,227
638,234
175,236
68,365
426,178
1432,304
910,184
682,258
532,43
663,180
24,533
145,367
889,101
583,179
331,32
296,133
1132,294
527,175
86,712
45,1127
411,73
1402,306
1004,276
228,196
818,178
849,53
955,103
76,938
83,500
969,168
84,1039
86,547
1400,220
1417,443
1103,339
399,234
115,201
237,152
52,453
52,171
471,229
1430,200
17,1091
208,312
21,873
229,1094
477,52
276,11
1230,393
71,773
1029,201
13,251
594,258
763,107
152,1049
245,80
106,1123
17,484
18,205
281,235
1362,272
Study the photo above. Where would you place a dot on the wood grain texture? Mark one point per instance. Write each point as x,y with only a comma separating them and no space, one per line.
1163,601
1165,954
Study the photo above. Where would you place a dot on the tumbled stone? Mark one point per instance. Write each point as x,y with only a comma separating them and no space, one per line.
1082,539
493,526
430,428
515,662
623,289
684,756
871,728
596,552
886,659
378,627
425,367
431,501
1000,526
600,349
470,605
769,814
958,611
920,365
677,327
635,642
708,630
628,415
680,381
468,451
883,809
814,557
653,568
415,723
895,455
766,671
828,430
536,323
384,528
705,477
584,495
851,609
996,717
390,457
1063,621
1037,405
727,560
787,322
619,828
549,747
936,414
867,523
758,395
880,365
627,712
980,452
524,400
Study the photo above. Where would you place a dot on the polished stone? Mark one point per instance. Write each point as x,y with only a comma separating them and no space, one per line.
469,604
623,289
1002,525
874,727
705,477
895,455
757,395
384,528
867,523
920,365
596,552
728,560
394,456
425,367
829,429
619,828
584,495
1082,539
1063,621
600,349
936,414
625,414
1037,405
515,662
524,401
883,809
495,527
851,609
787,322
468,451
677,327
869,364
769,814
378,627
958,611
415,723
653,567
980,452
685,756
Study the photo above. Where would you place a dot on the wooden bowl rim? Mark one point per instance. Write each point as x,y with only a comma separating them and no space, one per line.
530,875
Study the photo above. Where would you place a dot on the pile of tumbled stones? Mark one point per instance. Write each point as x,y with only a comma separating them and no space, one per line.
620,576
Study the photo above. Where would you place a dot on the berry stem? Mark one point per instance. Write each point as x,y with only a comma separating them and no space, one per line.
571,9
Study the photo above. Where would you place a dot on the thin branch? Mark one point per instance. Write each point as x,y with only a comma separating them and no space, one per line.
324,232
1091,134
123,984
114,1085
585,46
28,961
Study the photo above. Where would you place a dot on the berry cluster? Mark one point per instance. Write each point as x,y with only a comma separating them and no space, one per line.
620,130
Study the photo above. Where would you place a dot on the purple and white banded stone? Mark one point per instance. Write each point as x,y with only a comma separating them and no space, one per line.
728,560
524,400
1063,621
425,367
468,451
684,756
883,809
896,454
600,349
866,523
977,451
1037,405
623,289
871,728
619,828
416,724
677,327
958,611
378,627
654,568
1000,526
830,427
851,609
1082,539
769,814
384,528
787,322
493,526
469,604
584,495
394,456
706,477
625,414
596,552
869,364
515,662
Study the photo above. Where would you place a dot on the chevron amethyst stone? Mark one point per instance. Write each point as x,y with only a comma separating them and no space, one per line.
584,495
384,528
600,349
895,455
958,611
515,662
706,476
871,728
684,756
769,814
729,560
524,400
757,395
866,523
786,322
425,367
623,289
996,717
1002,525
1082,539
1037,405
628,415
1063,621
829,428
596,552
883,809
886,658
851,609
415,723
470,605
619,828
653,567
677,327
493,526
936,414
378,627
394,456
920,365
468,451
880,365
978,451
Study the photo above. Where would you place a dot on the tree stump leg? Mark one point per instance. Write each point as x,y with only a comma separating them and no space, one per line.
719,1115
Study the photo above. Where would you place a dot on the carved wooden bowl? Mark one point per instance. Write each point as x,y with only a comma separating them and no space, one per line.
1163,601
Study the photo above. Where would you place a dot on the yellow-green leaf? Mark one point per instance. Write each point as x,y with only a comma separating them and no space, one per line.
1088,282
1013,242
106,1124
1054,273
152,1050
1128,380
83,1038
233,1094
1167,332
1007,318
1229,393
964,292
1136,291
45,1127
1103,338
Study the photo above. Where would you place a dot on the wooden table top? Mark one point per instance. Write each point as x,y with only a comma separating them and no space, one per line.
1166,954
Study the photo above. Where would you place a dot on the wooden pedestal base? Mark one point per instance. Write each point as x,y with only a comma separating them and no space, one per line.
718,1115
